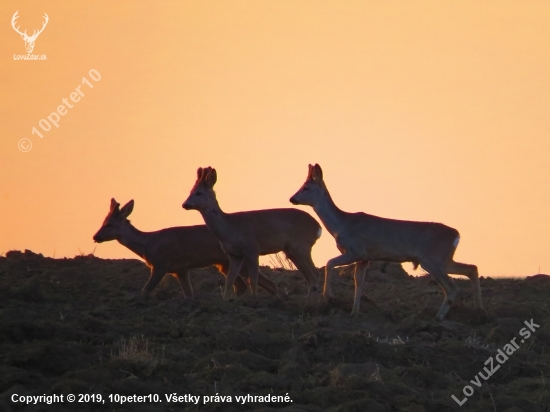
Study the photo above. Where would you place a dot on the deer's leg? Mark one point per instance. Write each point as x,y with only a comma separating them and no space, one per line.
440,276
185,283
342,260
359,276
264,282
471,272
235,264
156,275
267,284
304,263
253,266
240,285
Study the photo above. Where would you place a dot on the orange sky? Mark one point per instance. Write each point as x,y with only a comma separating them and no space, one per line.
421,110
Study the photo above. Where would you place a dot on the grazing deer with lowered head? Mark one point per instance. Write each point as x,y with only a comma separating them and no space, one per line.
174,250
362,238
245,236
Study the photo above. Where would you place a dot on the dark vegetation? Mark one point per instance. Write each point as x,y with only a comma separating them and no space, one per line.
78,326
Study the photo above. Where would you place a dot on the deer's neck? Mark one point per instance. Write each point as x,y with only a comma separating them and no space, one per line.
135,240
332,217
217,221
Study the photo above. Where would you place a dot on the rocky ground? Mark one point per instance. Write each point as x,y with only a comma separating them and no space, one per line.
76,326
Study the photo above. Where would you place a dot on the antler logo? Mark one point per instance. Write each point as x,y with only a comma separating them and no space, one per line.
29,40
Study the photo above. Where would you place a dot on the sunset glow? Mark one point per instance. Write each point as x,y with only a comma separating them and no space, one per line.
425,110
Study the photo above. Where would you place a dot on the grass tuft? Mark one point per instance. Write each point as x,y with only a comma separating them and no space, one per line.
280,261
138,350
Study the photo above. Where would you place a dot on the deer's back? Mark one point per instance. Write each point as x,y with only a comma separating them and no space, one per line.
410,238
184,247
277,229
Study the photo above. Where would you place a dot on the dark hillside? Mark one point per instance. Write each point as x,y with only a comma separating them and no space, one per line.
76,326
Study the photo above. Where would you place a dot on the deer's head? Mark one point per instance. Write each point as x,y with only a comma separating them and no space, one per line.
313,188
115,222
29,40
202,196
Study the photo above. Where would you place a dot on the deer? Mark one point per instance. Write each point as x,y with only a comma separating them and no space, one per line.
29,40
362,238
244,236
174,250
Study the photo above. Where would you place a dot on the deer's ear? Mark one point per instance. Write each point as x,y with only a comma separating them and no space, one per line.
317,173
127,209
199,173
309,171
211,178
114,204
204,173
